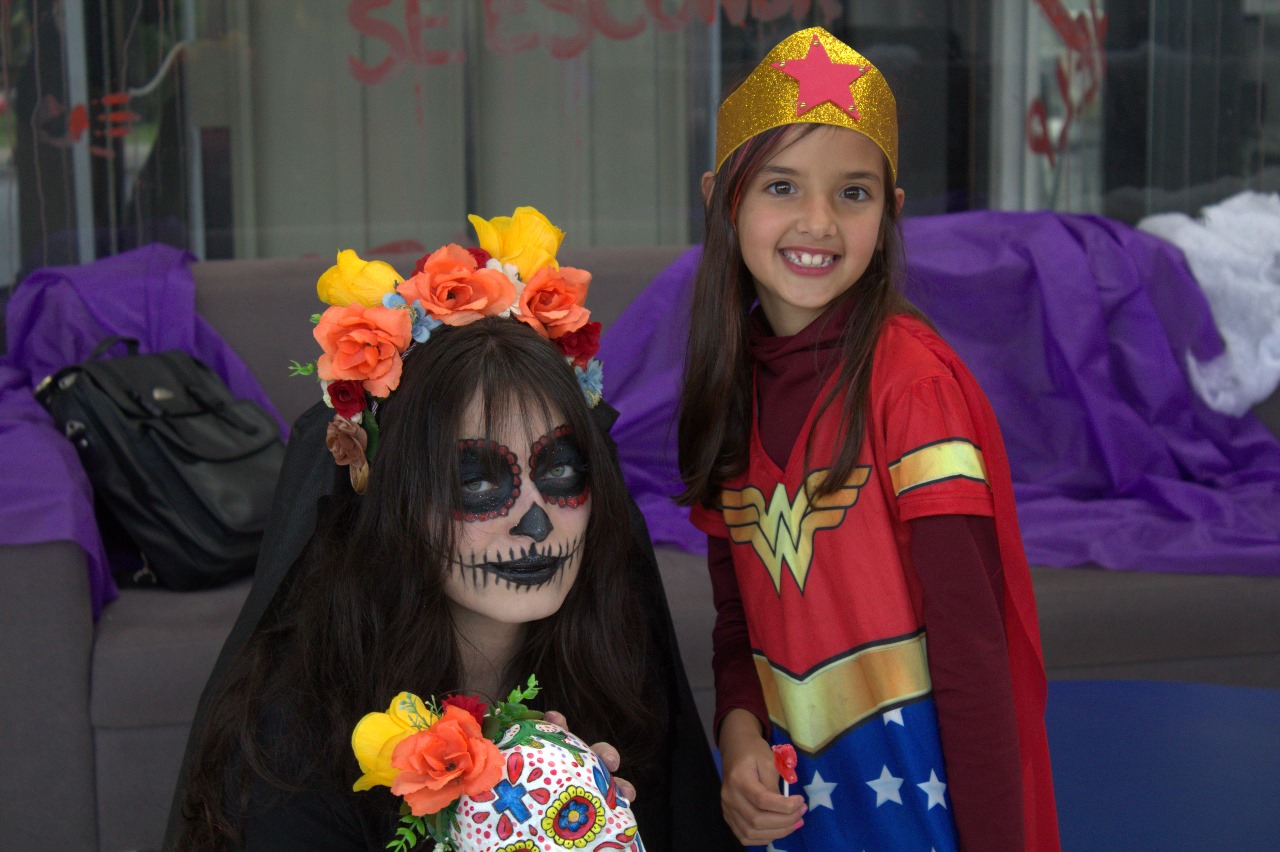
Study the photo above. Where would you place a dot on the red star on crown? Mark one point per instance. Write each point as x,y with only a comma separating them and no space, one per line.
822,80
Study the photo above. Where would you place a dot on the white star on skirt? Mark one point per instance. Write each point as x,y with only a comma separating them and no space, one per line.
886,787
934,789
818,792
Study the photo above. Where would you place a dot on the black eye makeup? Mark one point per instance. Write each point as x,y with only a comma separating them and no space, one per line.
488,480
559,469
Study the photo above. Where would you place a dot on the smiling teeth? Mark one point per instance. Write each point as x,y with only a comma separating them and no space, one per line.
803,258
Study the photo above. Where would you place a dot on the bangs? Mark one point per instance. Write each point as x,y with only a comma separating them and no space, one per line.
517,393
750,157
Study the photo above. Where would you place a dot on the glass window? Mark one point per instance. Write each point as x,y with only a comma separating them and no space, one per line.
268,128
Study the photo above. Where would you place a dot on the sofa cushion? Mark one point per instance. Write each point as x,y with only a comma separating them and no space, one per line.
45,635
153,653
261,309
136,768
1091,617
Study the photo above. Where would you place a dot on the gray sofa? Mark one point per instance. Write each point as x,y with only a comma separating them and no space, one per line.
94,718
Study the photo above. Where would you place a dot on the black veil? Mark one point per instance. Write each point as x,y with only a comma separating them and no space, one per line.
682,811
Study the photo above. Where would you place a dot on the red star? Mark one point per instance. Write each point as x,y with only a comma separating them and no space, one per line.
822,80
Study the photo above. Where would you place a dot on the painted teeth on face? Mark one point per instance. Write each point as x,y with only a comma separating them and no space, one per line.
803,258
504,569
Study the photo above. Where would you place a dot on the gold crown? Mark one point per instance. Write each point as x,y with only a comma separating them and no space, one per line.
811,76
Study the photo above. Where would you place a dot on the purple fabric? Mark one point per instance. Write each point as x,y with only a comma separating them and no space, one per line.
55,318
1077,327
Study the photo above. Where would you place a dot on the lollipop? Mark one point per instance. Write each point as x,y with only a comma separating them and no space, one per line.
784,759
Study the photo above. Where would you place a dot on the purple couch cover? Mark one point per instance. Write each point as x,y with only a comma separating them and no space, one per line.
55,318
1078,329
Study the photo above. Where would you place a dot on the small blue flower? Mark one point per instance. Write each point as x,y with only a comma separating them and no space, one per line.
393,300
423,323
591,380
574,815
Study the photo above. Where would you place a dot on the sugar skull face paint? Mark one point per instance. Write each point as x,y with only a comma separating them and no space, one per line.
522,516
559,469
490,479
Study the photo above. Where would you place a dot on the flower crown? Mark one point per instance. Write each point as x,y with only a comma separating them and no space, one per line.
376,316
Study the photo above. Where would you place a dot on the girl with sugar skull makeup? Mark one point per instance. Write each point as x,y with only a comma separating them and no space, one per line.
493,538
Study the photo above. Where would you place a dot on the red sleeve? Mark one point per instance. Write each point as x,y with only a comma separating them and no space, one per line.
737,685
957,558
936,462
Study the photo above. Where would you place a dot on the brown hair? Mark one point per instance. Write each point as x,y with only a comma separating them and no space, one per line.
715,402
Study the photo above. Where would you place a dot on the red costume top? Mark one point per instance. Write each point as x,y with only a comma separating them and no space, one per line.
834,611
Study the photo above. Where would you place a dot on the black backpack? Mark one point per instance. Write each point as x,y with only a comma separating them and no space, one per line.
185,469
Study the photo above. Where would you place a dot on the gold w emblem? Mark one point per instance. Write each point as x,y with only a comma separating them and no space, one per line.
782,530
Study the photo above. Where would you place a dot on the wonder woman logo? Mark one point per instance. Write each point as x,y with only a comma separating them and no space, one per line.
782,530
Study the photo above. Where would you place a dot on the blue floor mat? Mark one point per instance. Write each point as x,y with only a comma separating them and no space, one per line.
1144,765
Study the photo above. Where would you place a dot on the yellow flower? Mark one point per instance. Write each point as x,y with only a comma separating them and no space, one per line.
377,735
356,280
526,238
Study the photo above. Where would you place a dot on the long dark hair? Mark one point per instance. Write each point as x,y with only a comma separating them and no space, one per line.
365,616
715,401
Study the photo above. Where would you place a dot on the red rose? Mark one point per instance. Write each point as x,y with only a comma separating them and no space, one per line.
470,703
347,397
581,345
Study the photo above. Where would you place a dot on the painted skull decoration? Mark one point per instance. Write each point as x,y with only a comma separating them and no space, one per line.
555,794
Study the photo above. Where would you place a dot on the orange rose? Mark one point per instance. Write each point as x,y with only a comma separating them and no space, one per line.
452,758
363,344
453,290
552,300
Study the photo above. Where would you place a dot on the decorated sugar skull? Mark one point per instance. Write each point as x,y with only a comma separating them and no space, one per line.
555,793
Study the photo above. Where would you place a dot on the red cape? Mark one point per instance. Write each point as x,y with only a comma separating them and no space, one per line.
1022,628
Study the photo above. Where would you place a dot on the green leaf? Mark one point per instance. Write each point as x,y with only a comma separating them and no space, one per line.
412,829
315,319
370,425
519,696
296,369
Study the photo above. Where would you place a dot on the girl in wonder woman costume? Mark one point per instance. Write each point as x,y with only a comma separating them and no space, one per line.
874,607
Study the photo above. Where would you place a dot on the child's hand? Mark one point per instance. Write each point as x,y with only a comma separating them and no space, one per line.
608,756
753,807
